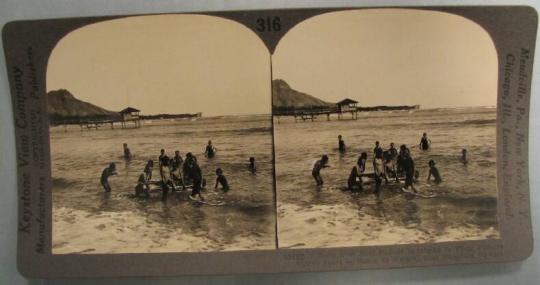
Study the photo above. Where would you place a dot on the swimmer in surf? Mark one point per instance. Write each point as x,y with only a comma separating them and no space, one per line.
221,180
341,144
107,172
148,170
463,157
210,150
166,182
377,147
160,162
354,183
425,142
142,187
127,152
252,166
361,163
433,171
176,168
407,165
379,170
316,172
193,172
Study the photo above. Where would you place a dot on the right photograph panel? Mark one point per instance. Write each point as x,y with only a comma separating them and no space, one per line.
385,130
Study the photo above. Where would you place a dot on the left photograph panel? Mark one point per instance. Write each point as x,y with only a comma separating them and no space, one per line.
161,137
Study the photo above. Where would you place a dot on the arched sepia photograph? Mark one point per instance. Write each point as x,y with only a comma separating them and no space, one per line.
161,137
385,130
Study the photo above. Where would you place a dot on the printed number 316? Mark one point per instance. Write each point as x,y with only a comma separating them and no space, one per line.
268,24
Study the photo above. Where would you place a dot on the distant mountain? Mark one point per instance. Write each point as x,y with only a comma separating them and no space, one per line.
62,105
283,96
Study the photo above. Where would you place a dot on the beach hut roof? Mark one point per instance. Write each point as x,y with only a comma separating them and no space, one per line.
129,110
346,101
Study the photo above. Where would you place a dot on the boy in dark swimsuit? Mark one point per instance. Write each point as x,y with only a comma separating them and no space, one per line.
107,172
252,166
403,150
166,182
210,150
463,157
393,151
379,170
316,172
221,180
354,183
377,147
361,163
193,172
425,142
148,169
160,162
433,171
142,187
407,164
341,144
127,152
176,166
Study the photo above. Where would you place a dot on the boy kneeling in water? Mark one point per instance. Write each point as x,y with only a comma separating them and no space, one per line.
316,172
221,180
434,171
142,187
354,182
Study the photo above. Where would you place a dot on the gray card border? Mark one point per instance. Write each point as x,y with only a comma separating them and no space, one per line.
28,44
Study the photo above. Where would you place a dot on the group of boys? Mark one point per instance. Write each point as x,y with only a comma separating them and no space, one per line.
386,163
174,172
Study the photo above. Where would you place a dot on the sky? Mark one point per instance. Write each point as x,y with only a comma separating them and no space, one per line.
165,64
195,63
390,57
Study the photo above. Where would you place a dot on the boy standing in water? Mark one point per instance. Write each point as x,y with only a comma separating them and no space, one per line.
107,172
160,162
252,166
127,152
377,147
434,171
193,172
463,157
341,144
176,165
379,170
424,142
221,180
407,164
148,170
401,156
316,172
354,183
362,162
393,151
210,150
166,182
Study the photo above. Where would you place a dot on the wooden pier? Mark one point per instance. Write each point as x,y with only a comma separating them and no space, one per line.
129,117
346,106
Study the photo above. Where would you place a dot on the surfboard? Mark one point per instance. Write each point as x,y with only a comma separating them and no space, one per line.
419,194
196,200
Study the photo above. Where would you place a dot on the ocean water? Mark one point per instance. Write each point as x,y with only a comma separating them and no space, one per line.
85,219
465,205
